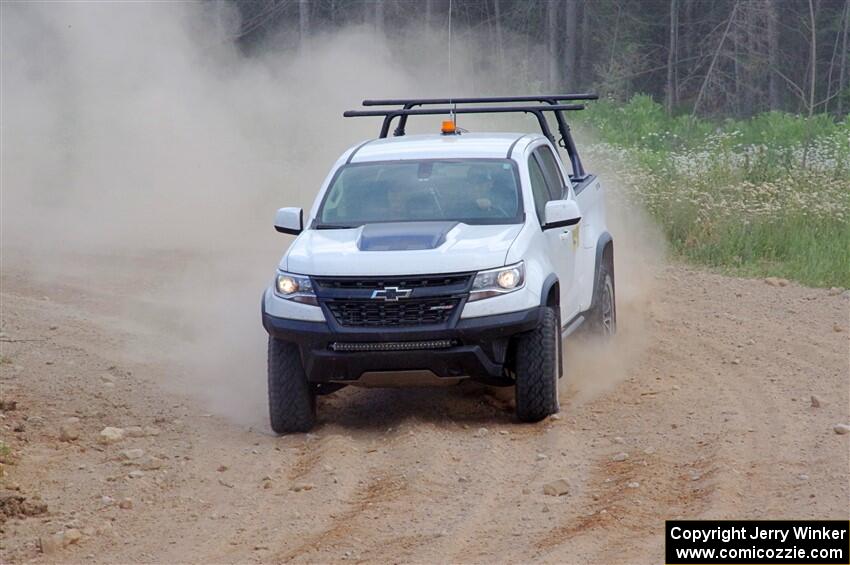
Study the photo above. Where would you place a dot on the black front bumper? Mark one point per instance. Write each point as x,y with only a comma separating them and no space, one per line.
479,350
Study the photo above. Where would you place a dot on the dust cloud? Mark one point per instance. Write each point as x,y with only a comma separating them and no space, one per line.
593,367
144,154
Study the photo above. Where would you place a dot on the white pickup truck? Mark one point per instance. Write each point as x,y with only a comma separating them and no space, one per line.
446,256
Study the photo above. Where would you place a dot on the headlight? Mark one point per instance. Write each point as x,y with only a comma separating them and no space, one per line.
297,288
498,281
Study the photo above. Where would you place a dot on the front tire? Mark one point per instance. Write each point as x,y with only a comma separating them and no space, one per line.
537,360
292,400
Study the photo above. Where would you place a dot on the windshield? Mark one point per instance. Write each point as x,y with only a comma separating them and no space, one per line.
473,191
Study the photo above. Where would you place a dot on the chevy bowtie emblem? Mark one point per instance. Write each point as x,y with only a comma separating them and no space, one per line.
391,293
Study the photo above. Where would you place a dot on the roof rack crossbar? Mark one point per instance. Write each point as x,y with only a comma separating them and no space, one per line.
390,114
462,110
549,98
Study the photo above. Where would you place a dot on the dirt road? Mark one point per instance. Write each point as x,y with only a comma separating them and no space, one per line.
712,407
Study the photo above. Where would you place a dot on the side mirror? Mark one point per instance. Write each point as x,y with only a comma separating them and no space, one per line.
561,214
289,220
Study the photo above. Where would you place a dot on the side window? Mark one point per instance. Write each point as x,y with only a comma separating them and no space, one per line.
553,173
538,187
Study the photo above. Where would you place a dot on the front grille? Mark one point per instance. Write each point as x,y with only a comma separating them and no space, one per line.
410,300
405,312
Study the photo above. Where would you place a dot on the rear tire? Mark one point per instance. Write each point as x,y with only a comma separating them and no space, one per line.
537,360
292,400
603,316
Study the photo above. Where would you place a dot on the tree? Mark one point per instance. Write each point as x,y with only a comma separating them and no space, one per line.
842,69
500,53
773,55
584,56
672,51
571,79
379,16
303,23
552,44
813,50
715,57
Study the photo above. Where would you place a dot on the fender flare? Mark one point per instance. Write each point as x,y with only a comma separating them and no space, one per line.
604,240
550,281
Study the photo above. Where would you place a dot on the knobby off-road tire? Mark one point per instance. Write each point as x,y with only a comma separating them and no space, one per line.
292,400
603,316
537,359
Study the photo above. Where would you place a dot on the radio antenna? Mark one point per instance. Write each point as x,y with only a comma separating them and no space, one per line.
451,70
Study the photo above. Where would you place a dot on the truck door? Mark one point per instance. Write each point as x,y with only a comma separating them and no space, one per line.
547,184
588,194
586,190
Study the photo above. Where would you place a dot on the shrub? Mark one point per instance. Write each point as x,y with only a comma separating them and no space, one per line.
764,196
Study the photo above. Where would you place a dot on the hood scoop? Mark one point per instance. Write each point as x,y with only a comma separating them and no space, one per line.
403,236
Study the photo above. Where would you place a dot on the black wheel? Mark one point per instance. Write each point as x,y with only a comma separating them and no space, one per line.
603,317
537,360
292,400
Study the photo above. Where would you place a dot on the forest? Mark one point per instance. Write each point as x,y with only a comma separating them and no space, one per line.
705,57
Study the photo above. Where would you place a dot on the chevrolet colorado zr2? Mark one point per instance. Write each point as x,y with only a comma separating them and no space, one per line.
454,255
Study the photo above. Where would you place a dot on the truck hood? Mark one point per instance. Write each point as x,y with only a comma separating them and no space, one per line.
410,248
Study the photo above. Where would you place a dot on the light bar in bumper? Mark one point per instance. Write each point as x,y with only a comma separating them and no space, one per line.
393,345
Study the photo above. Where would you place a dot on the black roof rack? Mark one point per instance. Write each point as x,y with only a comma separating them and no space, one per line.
548,103
391,113
549,98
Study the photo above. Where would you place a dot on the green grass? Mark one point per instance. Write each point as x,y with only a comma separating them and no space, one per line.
813,253
768,196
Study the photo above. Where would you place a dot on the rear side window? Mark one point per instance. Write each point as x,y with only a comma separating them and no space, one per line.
552,172
538,188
